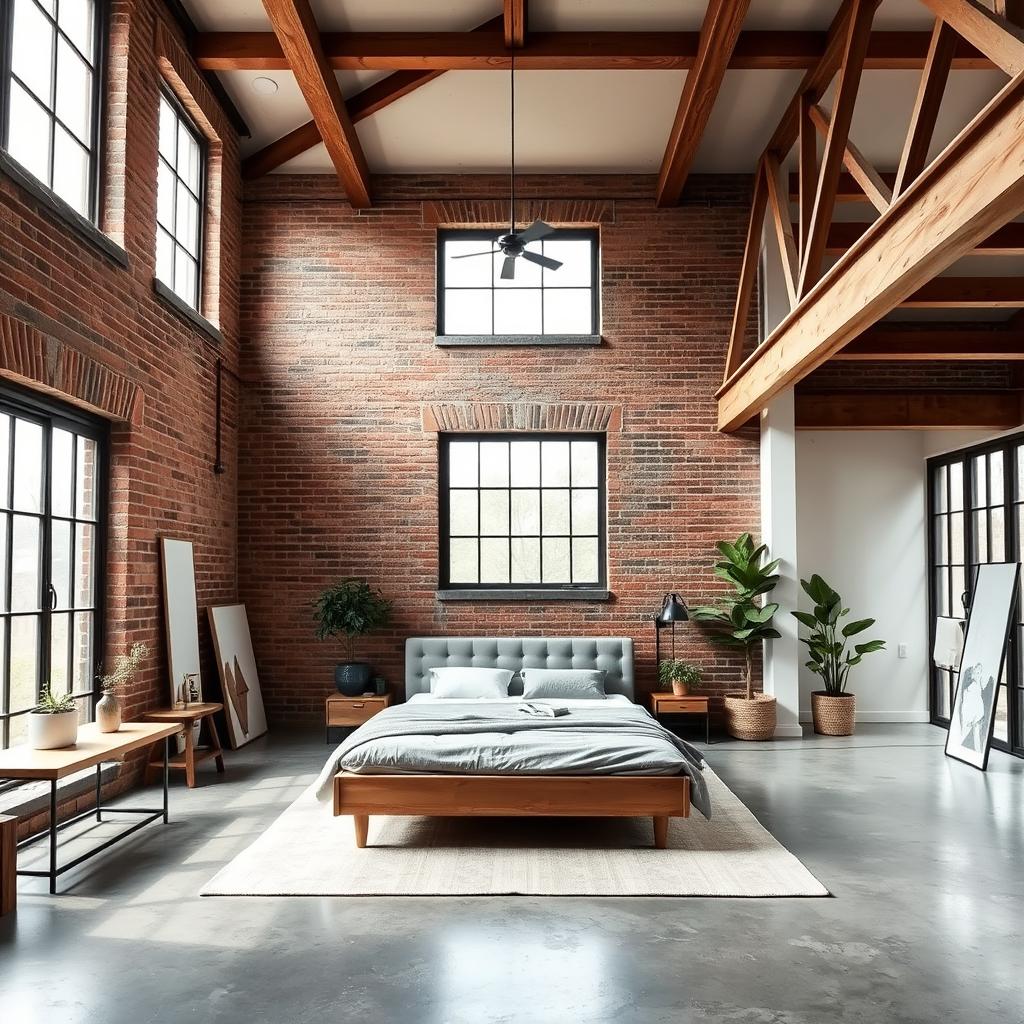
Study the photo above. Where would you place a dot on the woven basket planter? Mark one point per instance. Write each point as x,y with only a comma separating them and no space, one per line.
750,719
832,715
680,689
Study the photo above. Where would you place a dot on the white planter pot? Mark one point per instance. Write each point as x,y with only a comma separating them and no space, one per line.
47,732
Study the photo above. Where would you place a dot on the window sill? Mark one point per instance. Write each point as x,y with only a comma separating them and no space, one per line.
63,211
516,340
534,596
186,312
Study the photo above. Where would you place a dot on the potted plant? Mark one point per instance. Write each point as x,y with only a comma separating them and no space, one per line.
108,709
53,722
743,619
351,609
833,709
679,675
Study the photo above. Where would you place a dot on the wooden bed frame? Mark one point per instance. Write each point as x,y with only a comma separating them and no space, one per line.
600,796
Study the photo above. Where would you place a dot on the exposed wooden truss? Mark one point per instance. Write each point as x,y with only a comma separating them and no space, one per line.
515,22
907,410
1000,41
718,35
868,180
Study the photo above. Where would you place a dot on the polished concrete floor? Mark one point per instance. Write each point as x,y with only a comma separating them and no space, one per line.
924,856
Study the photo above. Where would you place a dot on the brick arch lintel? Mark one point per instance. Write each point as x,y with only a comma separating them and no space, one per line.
570,417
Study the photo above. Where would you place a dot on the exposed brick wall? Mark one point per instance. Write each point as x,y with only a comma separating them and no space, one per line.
118,349
338,475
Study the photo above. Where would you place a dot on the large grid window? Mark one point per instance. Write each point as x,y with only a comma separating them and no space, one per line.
522,511
50,88
179,215
51,501
473,300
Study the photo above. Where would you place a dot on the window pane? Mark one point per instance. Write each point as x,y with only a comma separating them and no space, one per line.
940,489
584,560
186,226
467,312
74,92
556,566
958,586
494,512
86,482
462,555
956,486
188,158
574,255
494,464
32,49
76,18
472,272
5,458
555,464
168,130
584,512
526,512
940,532
980,553
555,512
3,669
462,463
29,134
527,274
61,447
584,463
462,513
24,662
997,552
28,466
568,311
941,592
60,562
5,525
978,481
525,459
956,550
83,656
525,560
1000,730
517,311
164,256
85,564
165,196
70,171
995,478
185,272
942,693
494,560
60,639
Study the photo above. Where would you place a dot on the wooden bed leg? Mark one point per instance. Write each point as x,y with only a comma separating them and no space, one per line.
362,824
660,833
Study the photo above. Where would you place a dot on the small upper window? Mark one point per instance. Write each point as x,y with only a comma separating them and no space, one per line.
50,81
473,298
179,215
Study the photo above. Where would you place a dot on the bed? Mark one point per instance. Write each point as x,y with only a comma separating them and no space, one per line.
605,758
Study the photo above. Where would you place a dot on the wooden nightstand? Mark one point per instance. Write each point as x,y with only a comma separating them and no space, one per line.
670,704
349,712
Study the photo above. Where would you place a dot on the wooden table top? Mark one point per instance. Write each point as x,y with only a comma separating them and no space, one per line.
186,714
93,747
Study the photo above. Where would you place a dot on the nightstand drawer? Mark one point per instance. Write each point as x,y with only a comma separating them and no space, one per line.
349,711
682,705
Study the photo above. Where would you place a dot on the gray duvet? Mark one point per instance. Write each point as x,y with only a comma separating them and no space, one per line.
498,739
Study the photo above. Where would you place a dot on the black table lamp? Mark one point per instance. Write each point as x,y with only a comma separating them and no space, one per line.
673,610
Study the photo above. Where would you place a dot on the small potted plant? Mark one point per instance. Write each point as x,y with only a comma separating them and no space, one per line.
679,675
833,709
53,722
108,709
351,609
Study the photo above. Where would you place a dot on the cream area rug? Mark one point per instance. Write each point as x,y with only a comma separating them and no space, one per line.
309,852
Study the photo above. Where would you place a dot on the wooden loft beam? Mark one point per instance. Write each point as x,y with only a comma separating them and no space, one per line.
868,180
1007,241
779,205
807,170
907,410
983,167
556,51
898,343
515,22
848,191
968,293
719,32
295,28
994,36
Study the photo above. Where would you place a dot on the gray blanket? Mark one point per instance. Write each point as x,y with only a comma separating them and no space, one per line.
462,739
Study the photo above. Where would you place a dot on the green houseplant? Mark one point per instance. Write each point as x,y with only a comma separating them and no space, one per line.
833,709
678,675
743,620
53,722
108,708
351,608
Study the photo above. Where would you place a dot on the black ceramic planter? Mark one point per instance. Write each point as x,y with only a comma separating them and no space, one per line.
354,678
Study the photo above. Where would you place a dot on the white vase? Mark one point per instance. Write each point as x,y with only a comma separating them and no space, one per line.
47,732
108,713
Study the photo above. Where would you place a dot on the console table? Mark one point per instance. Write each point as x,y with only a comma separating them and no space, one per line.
187,717
91,750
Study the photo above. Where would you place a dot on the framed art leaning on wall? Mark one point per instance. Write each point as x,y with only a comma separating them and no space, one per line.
236,663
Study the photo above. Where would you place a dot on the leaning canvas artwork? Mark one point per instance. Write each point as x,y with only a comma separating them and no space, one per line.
981,664
236,663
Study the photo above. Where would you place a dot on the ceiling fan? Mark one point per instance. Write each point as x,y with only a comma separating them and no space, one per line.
513,244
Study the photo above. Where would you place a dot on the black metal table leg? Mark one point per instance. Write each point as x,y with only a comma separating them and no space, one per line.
53,836
707,727
99,816
166,774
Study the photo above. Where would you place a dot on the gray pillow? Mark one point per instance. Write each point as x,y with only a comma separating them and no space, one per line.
563,684
469,683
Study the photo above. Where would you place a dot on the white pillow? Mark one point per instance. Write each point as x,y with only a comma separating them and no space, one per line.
467,683
563,684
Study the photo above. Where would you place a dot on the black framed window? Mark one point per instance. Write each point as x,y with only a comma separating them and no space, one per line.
181,179
473,300
976,516
52,499
50,85
522,510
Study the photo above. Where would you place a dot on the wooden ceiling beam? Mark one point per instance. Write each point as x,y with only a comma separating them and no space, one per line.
996,37
907,410
896,343
719,32
555,51
515,22
779,206
847,191
1007,241
868,180
297,32
968,293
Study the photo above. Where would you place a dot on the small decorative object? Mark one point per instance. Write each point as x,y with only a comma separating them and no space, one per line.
239,680
673,610
53,722
380,687
833,709
680,675
108,709
988,629
189,691
351,609
743,620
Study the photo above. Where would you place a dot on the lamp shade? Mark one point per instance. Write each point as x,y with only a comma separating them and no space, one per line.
673,609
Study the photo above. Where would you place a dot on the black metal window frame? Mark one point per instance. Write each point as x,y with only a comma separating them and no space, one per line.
182,117
487,236
97,65
444,516
956,471
50,415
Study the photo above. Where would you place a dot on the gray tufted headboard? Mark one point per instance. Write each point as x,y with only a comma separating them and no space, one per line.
614,655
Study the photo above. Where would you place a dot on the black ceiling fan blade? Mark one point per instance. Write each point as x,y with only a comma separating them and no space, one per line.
466,255
508,269
543,261
535,232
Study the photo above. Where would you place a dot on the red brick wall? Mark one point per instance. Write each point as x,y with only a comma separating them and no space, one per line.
80,324
337,476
